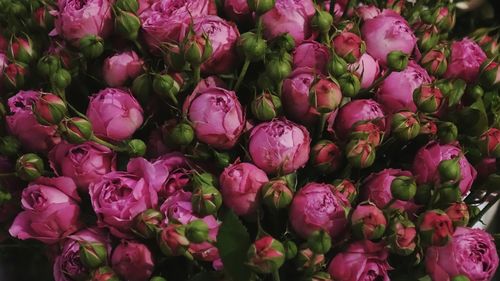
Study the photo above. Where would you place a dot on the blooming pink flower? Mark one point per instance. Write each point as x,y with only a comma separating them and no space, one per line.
132,261
465,61
311,54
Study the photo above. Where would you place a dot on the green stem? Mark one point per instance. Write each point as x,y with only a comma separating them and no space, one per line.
377,82
259,26
243,72
280,86
197,74
484,210
276,275
322,122
107,144
76,111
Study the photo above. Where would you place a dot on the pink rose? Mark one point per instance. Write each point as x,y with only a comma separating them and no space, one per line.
216,115
319,206
178,208
132,261
363,260
385,33
120,196
465,61
77,19
166,21
471,252
311,54
396,92
237,10
426,162
292,17
84,163
367,69
175,175
115,114
121,67
367,12
240,185
279,146
51,210
68,266
377,189
22,123
357,111
348,45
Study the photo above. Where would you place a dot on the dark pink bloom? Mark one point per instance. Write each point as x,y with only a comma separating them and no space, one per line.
132,261
465,61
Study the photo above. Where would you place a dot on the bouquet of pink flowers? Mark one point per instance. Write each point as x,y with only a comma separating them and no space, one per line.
153,140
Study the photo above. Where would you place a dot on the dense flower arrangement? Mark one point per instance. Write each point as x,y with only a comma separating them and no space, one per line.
249,140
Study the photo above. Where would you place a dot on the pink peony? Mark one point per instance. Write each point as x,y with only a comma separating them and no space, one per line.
175,173
132,261
121,67
319,206
115,114
240,186
311,54
465,61
177,208
367,69
357,111
279,146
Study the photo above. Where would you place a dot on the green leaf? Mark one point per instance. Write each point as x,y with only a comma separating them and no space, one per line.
474,120
233,242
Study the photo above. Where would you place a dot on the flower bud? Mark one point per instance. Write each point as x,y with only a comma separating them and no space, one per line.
278,69
266,106
325,96
284,42
147,223
136,148
326,156
174,57
435,62
446,18
428,126
307,260
447,132
181,134
76,130
222,159
405,125
349,84
368,221
92,46
449,170
403,188
29,167
157,278
490,74
474,92
266,255
127,25
260,6
428,16
460,278
9,145
48,64
449,192
172,240
14,76
435,228
276,194
489,142
319,242
142,86
290,249
50,109
104,273
322,21
127,5
206,200
197,50
423,194
347,188
93,254
60,79
349,46
337,66
402,236
252,46
428,98
197,231
397,60
428,37
21,50
367,130
165,86
459,214
360,153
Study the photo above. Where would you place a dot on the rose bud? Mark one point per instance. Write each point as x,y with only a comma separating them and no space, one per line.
319,242
266,106
311,54
79,19
367,69
435,62
266,255
104,273
459,214
181,134
142,86
405,125
326,156
292,17
172,240
197,231
349,84
322,21
347,188
306,216
240,185
252,46
427,159
325,96
115,114
360,153
444,263
43,18
397,61
14,76
427,126
428,37
132,261
9,146
278,69
308,261
29,167
136,147
276,194
76,130
21,50
206,200
60,79
91,46
348,46
427,98
260,6
285,140
127,5
402,236
121,67
374,31
355,111
449,170
367,130
216,115
364,259
465,61
147,223
290,249
489,142
127,24
449,193
403,188
368,221
337,66
93,254
238,10
49,109
435,228
447,132
48,64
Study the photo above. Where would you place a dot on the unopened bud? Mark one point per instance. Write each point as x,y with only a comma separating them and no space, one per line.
397,60
127,24
266,106
197,231
319,242
91,46
93,254
29,167
266,255
403,188
147,223
76,130
252,46
447,132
